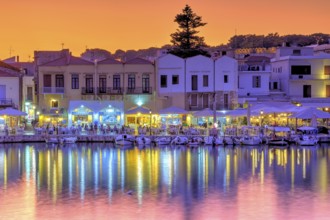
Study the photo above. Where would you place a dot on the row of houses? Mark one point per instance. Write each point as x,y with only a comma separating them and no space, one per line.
61,87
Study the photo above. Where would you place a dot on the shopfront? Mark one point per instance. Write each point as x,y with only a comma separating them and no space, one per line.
95,112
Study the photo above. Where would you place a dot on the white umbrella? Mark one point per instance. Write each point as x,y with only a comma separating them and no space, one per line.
12,112
137,109
308,113
173,110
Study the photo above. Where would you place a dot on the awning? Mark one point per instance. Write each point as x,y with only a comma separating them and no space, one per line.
12,112
136,110
95,106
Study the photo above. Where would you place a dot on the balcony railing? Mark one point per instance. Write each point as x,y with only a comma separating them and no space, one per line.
6,102
109,91
309,77
53,90
87,90
139,90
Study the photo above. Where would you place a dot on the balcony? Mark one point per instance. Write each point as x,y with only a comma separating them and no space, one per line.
109,91
6,103
87,90
53,90
139,90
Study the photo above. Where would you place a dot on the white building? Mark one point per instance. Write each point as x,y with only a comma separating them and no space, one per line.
194,83
303,76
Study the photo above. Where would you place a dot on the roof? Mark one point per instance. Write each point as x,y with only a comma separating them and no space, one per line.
7,66
138,60
257,59
8,73
110,61
68,60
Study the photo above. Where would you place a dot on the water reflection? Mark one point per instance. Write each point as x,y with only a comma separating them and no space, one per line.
192,183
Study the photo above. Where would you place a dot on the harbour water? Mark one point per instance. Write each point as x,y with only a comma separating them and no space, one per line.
102,181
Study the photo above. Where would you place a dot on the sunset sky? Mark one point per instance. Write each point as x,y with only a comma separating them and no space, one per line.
139,24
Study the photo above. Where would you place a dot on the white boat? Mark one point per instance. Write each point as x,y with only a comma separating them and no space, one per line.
68,140
163,141
251,140
307,140
211,140
142,140
195,141
307,137
279,136
51,140
124,140
228,141
179,140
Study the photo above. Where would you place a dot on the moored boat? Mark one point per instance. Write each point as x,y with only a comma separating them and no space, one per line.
124,140
195,142
211,140
251,140
163,141
179,140
142,140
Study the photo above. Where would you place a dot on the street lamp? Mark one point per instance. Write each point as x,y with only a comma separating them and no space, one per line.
150,124
262,115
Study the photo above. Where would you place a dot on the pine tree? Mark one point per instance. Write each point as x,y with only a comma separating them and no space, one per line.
185,40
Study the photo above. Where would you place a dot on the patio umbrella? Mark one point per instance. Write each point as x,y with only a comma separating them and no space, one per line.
309,113
12,112
137,109
173,110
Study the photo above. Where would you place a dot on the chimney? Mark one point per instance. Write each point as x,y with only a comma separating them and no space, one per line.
17,59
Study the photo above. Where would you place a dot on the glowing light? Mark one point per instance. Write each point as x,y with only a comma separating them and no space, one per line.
139,103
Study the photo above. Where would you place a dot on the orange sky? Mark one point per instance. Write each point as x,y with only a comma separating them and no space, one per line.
138,24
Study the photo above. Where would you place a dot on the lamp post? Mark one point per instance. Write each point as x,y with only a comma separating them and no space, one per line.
150,124
262,116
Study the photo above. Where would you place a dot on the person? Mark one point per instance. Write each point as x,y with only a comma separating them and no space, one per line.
6,130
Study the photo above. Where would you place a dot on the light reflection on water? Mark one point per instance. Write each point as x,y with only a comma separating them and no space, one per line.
100,181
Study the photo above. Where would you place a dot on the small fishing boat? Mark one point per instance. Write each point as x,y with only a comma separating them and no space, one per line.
195,142
51,140
124,140
163,141
179,140
307,136
68,140
142,140
251,140
211,140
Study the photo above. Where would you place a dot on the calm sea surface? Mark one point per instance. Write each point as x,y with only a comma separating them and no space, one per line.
101,181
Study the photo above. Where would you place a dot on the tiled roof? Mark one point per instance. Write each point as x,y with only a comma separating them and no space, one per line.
68,60
110,61
138,61
7,66
8,73
258,59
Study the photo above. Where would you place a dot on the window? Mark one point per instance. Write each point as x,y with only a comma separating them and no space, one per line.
163,81
301,70
102,84
75,81
89,84
205,80
296,52
328,91
175,79
307,91
326,70
131,81
146,83
54,104
205,100
225,78
47,80
194,82
59,81
256,82
116,82
193,100
29,94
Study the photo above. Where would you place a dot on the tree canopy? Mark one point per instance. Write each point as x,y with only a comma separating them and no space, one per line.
185,40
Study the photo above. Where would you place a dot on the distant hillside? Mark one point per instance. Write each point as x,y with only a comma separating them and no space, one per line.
235,42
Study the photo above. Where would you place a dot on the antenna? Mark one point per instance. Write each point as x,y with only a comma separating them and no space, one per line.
10,51
62,45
